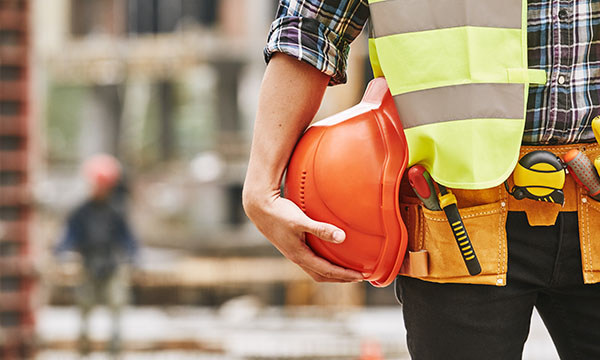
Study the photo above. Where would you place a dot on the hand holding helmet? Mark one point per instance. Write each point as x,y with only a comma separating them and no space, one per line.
286,226
346,170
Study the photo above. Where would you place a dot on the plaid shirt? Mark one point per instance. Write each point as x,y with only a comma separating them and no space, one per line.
563,39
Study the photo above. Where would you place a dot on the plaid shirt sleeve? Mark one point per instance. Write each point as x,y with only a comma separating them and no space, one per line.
318,32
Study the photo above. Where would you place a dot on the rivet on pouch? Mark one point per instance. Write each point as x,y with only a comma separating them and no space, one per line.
499,281
503,204
584,200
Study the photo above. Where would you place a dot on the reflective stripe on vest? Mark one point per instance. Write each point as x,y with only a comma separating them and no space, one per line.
458,72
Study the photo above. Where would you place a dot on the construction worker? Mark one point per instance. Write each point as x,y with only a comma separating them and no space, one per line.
533,253
98,231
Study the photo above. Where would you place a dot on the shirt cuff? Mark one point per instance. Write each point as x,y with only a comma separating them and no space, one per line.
310,41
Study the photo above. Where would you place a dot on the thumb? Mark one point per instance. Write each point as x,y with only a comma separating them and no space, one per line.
325,231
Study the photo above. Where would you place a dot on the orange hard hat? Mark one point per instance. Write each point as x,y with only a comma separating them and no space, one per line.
346,171
102,171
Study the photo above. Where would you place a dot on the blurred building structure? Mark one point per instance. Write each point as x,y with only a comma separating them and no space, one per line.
170,88
158,84
17,278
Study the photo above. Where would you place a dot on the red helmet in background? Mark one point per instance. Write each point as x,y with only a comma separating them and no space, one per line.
102,171
346,171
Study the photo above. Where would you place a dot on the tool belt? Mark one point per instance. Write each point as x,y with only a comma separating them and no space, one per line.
432,252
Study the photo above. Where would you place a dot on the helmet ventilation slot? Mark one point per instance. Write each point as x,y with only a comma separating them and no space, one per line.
302,185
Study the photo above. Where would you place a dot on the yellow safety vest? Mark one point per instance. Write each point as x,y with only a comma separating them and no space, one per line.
458,72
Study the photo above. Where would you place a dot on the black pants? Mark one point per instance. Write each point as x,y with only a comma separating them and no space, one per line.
462,321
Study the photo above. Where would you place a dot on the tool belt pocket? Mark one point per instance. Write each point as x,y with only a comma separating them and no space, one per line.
589,225
430,240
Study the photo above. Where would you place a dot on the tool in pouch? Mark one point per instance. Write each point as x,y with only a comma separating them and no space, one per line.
423,186
582,170
448,203
596,129
539,175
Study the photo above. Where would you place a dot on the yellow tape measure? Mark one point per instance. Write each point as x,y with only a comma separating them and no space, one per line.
539,175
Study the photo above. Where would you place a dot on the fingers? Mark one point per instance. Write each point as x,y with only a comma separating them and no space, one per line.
318,268
322,270
285,225
318,278
323,231
327,272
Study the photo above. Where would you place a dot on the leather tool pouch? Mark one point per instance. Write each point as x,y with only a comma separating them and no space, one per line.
433,254
432,246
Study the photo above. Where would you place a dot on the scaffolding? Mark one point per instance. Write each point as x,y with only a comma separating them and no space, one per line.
17,280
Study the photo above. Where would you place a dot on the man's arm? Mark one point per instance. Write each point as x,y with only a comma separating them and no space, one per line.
290,96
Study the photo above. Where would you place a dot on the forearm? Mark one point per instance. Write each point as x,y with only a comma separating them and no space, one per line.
290,96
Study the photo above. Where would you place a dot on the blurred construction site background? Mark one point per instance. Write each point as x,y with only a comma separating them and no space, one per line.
169,87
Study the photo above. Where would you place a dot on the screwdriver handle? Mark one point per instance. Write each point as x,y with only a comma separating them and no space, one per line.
448,203
422,185
584,172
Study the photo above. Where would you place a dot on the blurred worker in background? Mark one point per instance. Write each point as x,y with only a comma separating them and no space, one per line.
97,229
